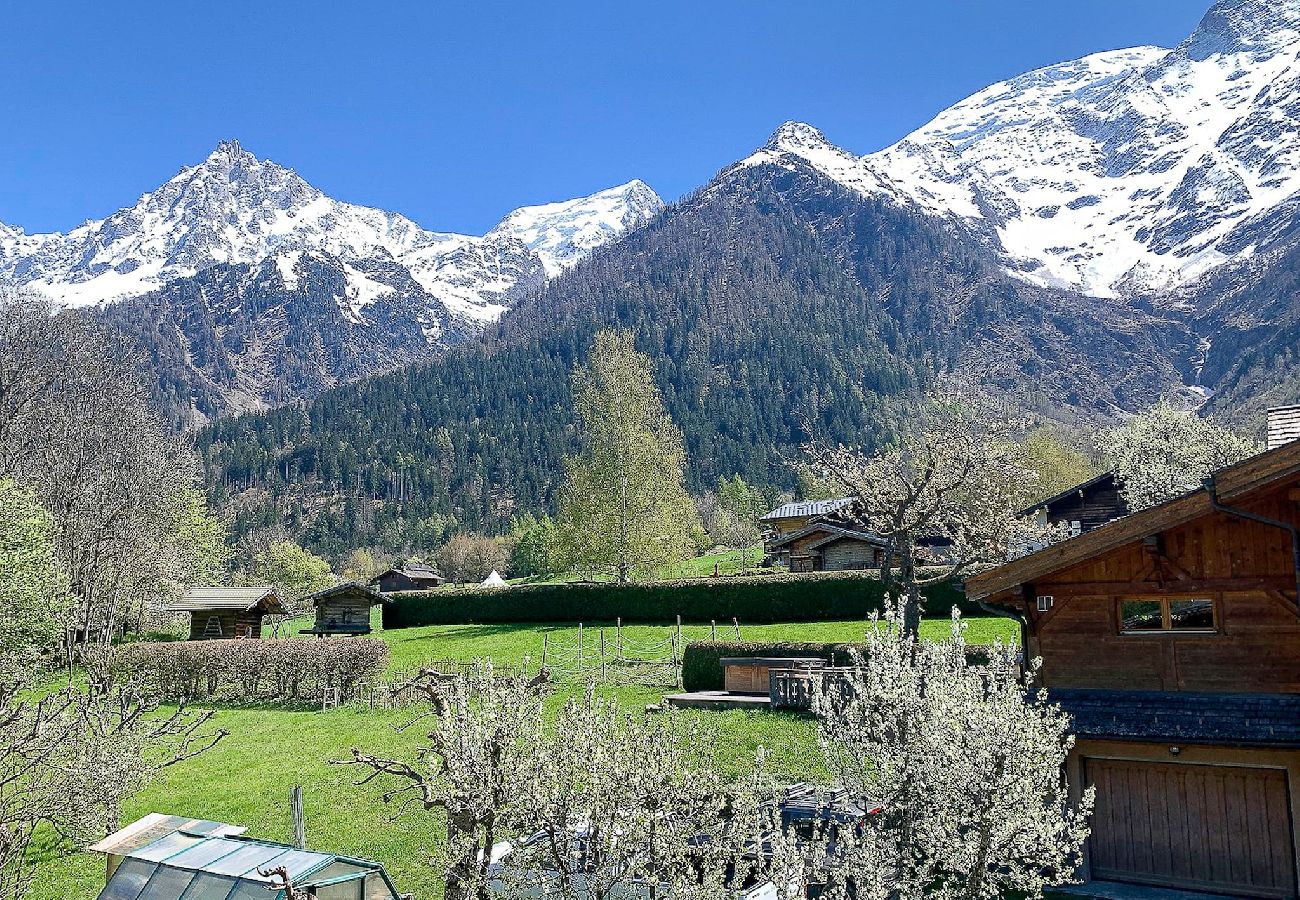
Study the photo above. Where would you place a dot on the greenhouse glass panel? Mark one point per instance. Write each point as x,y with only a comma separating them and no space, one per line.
128,881
209,887
165,847
246,860
201,856
167,884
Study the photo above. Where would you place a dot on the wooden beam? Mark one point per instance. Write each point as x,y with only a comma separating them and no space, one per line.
1190,586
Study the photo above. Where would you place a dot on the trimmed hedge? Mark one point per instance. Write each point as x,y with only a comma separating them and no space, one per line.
754,600
286,670
702,669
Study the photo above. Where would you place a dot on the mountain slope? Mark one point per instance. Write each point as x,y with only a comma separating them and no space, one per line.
772,301
1131,172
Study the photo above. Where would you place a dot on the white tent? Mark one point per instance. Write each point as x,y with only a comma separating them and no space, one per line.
494,580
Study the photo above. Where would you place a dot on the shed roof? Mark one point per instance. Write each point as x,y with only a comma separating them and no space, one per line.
347,587
807,508
1230,483
239,598
414,570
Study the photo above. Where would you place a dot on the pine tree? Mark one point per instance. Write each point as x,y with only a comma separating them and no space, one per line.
624,506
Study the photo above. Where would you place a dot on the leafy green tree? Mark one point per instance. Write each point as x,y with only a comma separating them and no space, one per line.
32,593
1060,465
624,507
202,552
361,565
293,571
534,544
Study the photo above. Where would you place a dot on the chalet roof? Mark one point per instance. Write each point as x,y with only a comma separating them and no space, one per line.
1097,481
834,532
807,508
413,570
227,866
1230,483
237,598
347,587
1179,716
157,825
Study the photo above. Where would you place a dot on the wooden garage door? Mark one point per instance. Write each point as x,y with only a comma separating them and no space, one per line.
1215,828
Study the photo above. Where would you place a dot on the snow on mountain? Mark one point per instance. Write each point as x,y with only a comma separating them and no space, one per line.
1125,172
236,208
563,233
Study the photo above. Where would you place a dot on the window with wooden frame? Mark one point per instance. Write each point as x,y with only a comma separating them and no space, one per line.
1168,615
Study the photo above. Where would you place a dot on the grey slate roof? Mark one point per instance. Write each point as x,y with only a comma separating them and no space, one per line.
807,508
1237,719
240,598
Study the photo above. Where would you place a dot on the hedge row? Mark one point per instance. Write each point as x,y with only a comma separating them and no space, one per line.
702,667
277,670
753,600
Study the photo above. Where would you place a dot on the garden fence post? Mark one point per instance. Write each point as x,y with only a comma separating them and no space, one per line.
299,823
736,622
579,648
618,636
602,655
713,629
546,640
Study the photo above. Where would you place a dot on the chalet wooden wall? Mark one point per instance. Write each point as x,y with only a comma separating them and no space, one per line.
1246,567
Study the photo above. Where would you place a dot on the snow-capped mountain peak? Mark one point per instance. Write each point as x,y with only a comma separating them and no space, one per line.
236,208
563,233
1130,171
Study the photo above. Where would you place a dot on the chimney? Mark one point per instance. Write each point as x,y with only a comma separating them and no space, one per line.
1283,425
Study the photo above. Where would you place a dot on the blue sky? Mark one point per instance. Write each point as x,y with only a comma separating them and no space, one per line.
455,113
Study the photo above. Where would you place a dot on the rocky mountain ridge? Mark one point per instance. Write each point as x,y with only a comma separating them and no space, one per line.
236,209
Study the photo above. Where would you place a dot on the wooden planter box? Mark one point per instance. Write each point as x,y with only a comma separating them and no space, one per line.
751,674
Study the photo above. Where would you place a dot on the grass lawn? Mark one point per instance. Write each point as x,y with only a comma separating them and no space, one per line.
246,779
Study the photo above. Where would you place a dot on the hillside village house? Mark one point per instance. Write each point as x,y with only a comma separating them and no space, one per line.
808,536
409,576
1083,507
227,612
1172,636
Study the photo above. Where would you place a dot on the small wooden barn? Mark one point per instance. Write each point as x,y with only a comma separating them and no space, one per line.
227,612
828,546
409,576
1172,636
342,609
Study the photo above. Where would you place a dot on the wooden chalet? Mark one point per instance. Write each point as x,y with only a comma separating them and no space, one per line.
342,609
1172,636
828,546
227,612
1083,507
409,576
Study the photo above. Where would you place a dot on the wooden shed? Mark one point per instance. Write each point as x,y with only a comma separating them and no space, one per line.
227,612
1083,507
409,576
1172,637
828,546
343,609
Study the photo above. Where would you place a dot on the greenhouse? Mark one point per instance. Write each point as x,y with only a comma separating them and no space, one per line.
189,866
